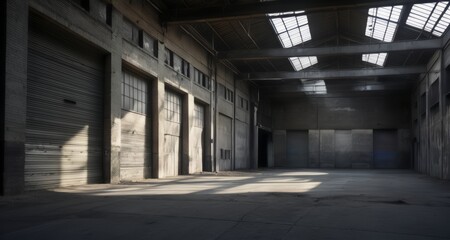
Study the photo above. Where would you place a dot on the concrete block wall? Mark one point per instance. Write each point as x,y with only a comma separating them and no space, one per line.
93,27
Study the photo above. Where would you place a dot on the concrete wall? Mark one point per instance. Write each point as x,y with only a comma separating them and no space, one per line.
430,120
92,26
341,129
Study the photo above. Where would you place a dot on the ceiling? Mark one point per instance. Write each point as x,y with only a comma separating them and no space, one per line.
239,33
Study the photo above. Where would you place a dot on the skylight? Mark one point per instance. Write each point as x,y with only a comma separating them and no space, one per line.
431,17
291,30
300,63
382,22
314,86
375,58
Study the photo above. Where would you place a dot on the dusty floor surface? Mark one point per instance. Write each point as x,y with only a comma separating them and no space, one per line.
269,204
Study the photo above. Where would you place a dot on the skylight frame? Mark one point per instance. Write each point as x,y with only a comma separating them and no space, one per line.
382,22
291,30
430,17
375,58
300,63
313,87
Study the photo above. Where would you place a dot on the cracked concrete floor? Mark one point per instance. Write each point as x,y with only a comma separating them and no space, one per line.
267,204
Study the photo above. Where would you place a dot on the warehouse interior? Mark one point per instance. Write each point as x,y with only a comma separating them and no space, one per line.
226,119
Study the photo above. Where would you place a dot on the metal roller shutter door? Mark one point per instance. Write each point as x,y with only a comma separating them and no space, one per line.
64,132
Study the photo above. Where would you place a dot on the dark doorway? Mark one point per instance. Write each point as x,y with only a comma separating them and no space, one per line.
263,146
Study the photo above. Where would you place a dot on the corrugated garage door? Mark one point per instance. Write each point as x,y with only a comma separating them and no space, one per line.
64,129
172,135
135,153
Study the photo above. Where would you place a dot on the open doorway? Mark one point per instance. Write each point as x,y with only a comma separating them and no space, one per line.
264,139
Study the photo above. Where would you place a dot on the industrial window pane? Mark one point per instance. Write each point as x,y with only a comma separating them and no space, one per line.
130,31
168,57
431,17
375,58
134,93
291,31
172,107
149,44
201,79
382,22
300,63
199,113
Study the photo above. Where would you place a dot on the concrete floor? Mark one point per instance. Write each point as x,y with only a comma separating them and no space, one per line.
271,204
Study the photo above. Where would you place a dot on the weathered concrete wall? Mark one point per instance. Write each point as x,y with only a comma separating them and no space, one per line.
340,130
105,34
376,112
13,94
430,119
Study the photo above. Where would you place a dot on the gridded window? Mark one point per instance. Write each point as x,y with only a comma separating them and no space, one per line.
134,93
382,22
130,31
177,63
226,93
431,17
229,95
202,79
293,30
199,115
243,103
225,153
172,107
168,57
300,63
149,44
375,58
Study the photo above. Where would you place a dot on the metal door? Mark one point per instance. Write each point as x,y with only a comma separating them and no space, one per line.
135,153
297,149
64,126
172,135
385,149
196,164
224,142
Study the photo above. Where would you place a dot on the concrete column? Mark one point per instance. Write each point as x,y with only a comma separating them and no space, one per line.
187,126
253,135
113,102
159,118
14,34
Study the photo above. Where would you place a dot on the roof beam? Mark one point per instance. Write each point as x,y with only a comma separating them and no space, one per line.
260,9
331,74
431,44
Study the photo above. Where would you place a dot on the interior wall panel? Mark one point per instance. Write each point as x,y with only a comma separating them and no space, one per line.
297,149
362,145
327,154
343,148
